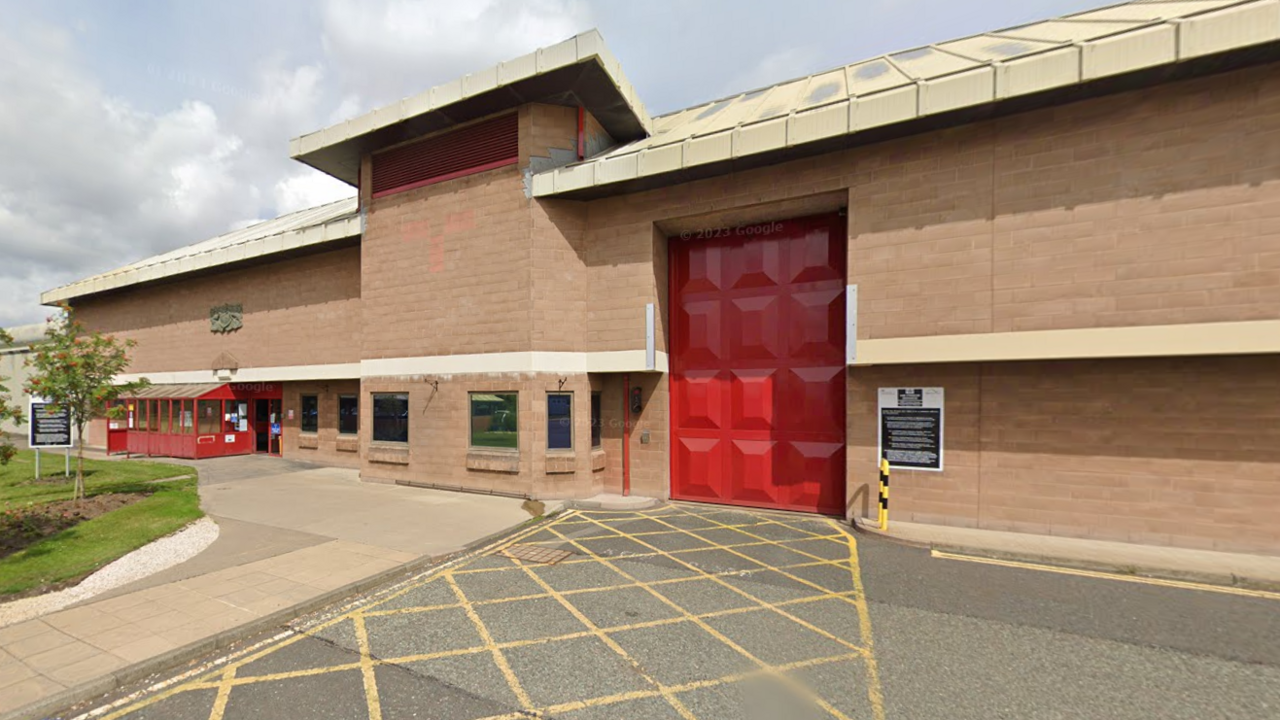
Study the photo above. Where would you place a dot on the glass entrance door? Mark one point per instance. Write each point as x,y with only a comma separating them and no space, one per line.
266,426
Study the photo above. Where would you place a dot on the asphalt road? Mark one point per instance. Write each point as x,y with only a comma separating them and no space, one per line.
713,613
966,640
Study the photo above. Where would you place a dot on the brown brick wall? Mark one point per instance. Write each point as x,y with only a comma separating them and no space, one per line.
303,311
543,127
473,266
324,446
1157,207
558,294
439,437
446,269
1177,451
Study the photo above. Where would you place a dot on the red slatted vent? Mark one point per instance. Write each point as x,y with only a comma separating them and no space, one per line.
472,149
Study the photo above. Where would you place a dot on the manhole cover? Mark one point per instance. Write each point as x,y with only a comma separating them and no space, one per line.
536,553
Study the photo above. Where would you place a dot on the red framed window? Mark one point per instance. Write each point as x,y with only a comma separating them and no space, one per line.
486,145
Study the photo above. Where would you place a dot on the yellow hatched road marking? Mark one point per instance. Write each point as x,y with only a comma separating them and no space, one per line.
605,700
225,678
498,658
1180,584
291,674
255,652
613,644
758,543
765,566
789,681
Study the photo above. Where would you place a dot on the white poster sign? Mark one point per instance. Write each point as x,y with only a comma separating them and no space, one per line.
911,427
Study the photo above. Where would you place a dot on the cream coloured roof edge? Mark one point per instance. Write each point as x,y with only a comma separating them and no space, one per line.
606,92
904,86
331,222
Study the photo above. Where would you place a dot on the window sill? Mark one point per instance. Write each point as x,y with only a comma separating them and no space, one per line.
389,454
308,440
561,462
348,443
597,459
493,460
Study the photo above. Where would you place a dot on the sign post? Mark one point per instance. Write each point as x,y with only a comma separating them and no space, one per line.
911,425
50,428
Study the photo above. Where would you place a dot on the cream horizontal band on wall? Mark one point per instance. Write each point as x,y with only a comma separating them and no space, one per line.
293,373
549,362
1229,338
523,362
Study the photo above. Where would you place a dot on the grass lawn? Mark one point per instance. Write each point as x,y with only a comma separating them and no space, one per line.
83,548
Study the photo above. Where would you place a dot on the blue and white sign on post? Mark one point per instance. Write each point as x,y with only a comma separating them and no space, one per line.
50,425
50,428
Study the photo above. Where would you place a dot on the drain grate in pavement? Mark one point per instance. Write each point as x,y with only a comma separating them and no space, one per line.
536,553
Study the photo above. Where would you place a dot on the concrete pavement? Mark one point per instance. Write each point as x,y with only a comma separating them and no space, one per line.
293,537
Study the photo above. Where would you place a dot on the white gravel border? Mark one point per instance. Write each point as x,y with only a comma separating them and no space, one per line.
147,560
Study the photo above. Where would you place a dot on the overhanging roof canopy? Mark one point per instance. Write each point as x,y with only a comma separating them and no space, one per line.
777,123
177,392
327,223
580,71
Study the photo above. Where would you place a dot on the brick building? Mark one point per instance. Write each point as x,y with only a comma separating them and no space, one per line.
1066,235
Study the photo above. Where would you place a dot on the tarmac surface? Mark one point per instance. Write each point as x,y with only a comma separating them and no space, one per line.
704,612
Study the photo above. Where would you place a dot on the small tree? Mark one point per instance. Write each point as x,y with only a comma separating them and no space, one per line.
76,370
9,410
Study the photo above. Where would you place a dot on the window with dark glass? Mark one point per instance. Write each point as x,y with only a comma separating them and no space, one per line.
391,417
310,413
493,420
209,420
348,414
559,421
596,421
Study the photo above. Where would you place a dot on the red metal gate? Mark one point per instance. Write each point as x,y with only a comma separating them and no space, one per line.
758,365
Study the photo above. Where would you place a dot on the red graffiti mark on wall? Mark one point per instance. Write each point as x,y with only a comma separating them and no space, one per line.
419,231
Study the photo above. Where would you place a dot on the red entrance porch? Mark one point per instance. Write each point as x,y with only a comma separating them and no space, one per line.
203,420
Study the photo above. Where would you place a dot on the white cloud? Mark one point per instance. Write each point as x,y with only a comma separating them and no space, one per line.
89,182
309,189
387,49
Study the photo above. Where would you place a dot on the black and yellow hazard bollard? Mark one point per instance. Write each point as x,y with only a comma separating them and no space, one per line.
884,493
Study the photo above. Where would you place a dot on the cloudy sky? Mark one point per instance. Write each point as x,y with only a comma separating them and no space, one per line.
131,127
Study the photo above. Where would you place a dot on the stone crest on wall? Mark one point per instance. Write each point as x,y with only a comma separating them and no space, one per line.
226,318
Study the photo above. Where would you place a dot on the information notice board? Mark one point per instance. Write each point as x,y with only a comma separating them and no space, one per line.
50,425
911,427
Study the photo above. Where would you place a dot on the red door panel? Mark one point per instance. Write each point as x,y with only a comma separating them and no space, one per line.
758,367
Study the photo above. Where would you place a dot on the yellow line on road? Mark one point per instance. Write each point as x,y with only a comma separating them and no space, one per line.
224,691
875,693
366,668
1180,584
